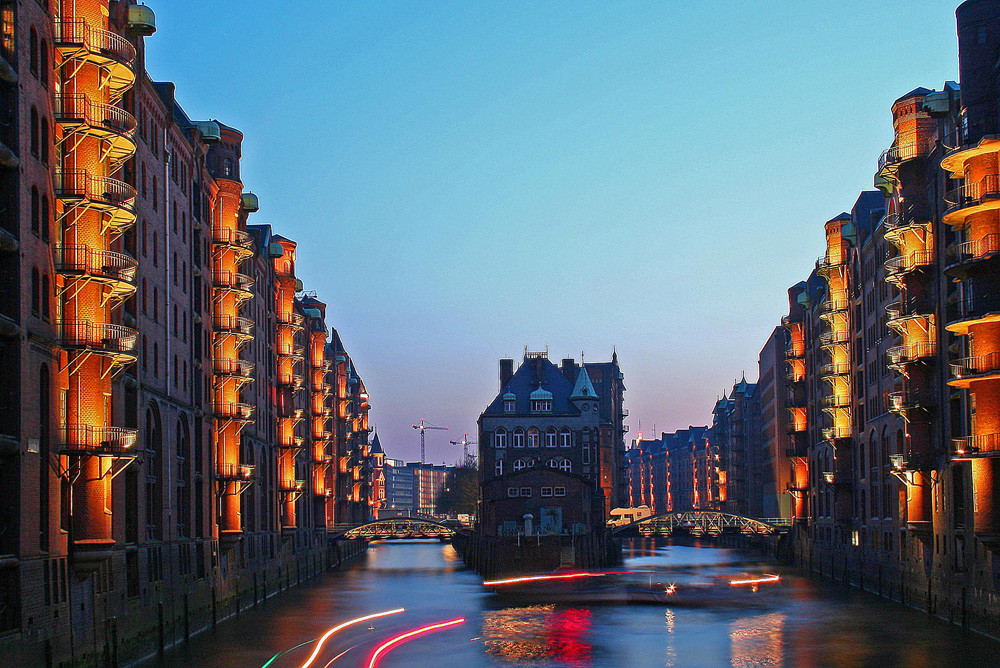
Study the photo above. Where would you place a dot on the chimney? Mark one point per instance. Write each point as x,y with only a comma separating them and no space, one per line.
569,369
506,371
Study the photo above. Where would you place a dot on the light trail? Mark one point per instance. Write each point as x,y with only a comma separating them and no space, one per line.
411,634
564,576
754,581
323,638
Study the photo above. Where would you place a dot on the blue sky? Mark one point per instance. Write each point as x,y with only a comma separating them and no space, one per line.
467,178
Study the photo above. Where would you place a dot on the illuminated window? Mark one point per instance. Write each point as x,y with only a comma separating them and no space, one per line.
533,438
500,439
566,438
518,464
546,491
541,406
552,463
558,491
518,438
565,465
550,437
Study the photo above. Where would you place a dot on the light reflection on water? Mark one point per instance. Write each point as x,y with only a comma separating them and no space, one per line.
796,622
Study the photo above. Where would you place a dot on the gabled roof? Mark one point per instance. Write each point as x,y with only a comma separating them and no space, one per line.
583,389
376,448
533,374
918,91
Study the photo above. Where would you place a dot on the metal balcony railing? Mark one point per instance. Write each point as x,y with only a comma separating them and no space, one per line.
99,42
87,261
233,325
909,262
974,305
970,194
977,365
980,444
835,401
905,400
234,239
911,352
99,440
832,433
908,308
232,280
291,485
232,367
77,109
297,352
98,336
834,338
80,184
234,471
974,250
834,305
234,411
908,150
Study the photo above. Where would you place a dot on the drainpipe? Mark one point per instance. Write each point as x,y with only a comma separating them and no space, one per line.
168,153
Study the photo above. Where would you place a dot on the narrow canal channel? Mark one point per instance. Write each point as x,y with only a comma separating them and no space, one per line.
677,607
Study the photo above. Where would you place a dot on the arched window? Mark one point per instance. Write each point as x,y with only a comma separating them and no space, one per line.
154,472
227,168
34,131
33,56
550,437
566,438
533,437
552,463
518,464
518,438
46,289
44,142
36,289
500,438
36,215
43,62
499,467
45,218
565,465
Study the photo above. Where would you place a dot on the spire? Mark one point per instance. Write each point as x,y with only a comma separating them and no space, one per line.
583,389
376,447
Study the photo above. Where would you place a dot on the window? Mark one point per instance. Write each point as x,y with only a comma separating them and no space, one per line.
509,405
565,465
45,296
586,455
35,290
33,55
45,218
156,200
44,148
512,492
550,437
34,131
518,464
518,438
36,215
566,438
500,439
552,463
525,491
43,62
558,491
533,437
546,491
499,467
541,406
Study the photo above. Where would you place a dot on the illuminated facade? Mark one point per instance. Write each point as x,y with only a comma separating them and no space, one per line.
153,433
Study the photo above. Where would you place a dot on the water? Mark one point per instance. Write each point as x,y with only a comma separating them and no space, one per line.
708,622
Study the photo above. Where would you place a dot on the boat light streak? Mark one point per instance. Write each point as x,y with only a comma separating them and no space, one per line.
411,634
563,576
755,581
323,638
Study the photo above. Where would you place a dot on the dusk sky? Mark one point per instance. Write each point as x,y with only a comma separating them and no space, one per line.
466,179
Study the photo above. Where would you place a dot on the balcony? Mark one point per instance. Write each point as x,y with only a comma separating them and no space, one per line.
835,401
911,353
241,328
291,413
836,338
834,306
981,445
233,368
239,284
291,486
907,309
897,154
837,478
834,433
116,270
237,411
293,443
793,352
238,241
963,254
292,351
826,265
234,472
80,189
972,198
78,40
976,308
967,370
114,341
903,401
290,380
293,320
85,439
903,264
78,114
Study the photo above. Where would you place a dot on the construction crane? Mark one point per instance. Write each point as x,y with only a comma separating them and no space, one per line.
423,426
465,443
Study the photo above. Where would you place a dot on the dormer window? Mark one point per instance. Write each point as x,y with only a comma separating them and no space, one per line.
541,406
509,403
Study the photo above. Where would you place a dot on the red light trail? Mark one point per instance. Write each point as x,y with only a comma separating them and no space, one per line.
323,638
411,634
754,581
564,576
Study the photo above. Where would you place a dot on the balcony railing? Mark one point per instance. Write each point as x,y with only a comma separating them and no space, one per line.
834,305
234,471
793,352
911,352
294,443
290,380
87,261
904,400
290,485
833,433
835,401
834,338
296,352
974,250
294,320
103,118
233,367
80,184
974,305
981,444
77,32
232,238
909,262
89,439
233,280
977,365
234,411
98,336
907,308
909,150
233,325
970,194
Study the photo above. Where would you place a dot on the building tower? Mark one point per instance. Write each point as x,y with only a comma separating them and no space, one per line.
798,424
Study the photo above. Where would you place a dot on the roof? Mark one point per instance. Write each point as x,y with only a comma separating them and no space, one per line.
533,374
918,91
583,389
376,448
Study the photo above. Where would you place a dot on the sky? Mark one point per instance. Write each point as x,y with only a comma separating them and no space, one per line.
465,179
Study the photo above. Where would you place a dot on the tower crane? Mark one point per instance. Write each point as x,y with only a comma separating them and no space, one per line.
423,426
465,443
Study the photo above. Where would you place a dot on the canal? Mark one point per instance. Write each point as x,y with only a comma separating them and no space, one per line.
678,605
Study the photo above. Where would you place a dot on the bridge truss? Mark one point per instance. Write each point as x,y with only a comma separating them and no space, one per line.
397,527
697,523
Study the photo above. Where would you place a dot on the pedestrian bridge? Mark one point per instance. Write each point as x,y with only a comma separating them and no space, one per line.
701,523
397,527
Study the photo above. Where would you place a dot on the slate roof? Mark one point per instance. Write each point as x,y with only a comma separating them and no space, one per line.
526,380
376,448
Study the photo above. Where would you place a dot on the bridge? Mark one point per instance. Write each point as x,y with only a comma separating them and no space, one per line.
701,523
397,527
